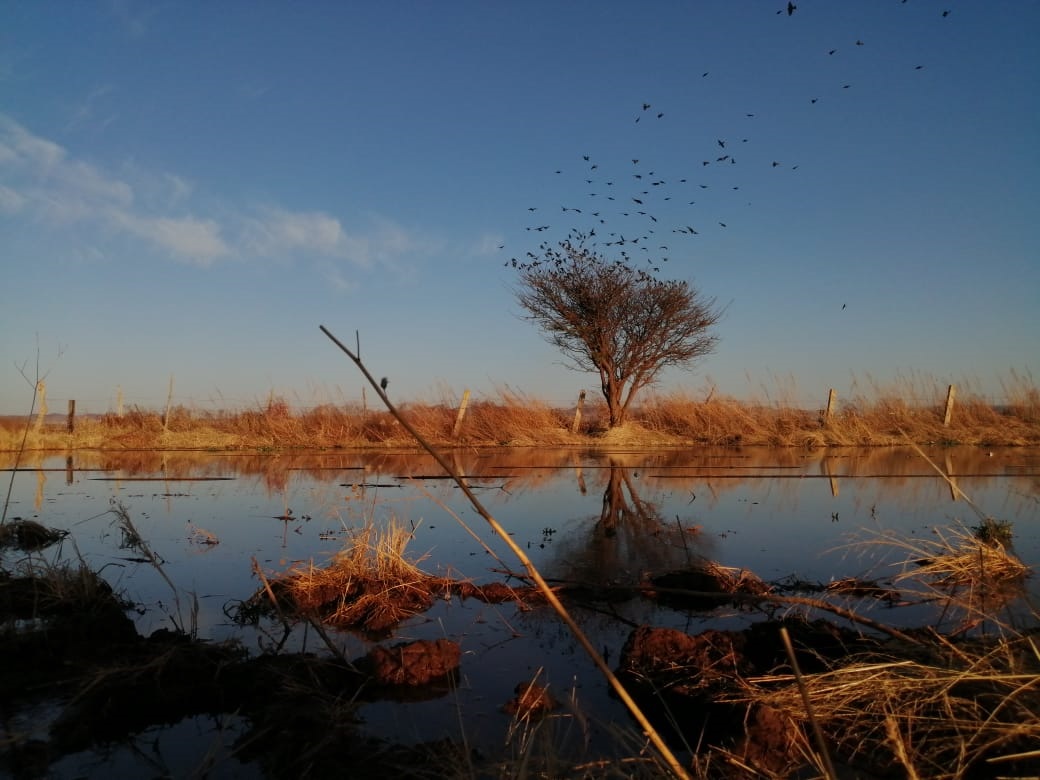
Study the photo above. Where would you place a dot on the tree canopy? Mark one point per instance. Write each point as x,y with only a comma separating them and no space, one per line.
608,317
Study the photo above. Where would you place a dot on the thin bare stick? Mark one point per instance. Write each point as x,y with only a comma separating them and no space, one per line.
465,527
953,485
821,744
662,748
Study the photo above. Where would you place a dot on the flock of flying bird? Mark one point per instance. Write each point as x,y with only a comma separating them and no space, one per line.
629,200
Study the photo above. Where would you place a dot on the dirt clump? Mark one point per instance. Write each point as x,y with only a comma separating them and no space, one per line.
414,663
692,687
532,700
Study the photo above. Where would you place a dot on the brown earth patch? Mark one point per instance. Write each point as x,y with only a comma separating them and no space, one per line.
414,663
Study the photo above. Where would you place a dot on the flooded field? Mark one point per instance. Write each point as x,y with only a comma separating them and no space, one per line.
211,529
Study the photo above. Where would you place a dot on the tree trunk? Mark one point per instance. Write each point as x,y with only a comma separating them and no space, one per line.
612,392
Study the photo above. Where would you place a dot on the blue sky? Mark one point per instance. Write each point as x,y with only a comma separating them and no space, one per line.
190,189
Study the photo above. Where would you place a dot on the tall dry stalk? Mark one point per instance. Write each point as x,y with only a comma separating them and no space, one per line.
550,595
35,383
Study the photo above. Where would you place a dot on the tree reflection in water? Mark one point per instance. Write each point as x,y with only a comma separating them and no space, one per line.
629,538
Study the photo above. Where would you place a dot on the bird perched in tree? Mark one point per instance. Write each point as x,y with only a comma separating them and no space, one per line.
383,383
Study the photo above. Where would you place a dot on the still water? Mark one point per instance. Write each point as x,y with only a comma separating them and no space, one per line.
581,515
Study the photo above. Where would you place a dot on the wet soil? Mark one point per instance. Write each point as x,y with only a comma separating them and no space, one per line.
84,654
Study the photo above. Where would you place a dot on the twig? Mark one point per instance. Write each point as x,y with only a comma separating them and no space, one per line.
583,640
466,528
821,744
953,485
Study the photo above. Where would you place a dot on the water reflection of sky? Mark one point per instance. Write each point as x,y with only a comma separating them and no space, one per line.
607,517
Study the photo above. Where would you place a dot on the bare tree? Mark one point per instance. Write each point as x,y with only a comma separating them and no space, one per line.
608,317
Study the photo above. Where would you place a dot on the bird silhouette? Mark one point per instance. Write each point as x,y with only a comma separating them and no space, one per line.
791,8
384,382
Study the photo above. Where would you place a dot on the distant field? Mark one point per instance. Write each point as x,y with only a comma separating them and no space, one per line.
510,420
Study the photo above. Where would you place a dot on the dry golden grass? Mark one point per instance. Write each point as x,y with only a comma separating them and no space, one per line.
943,716
879,416
971,572
941,708
369,585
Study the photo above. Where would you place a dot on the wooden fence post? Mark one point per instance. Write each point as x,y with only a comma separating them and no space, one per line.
462,413
832,397
825,467
950,393
72,415
577,412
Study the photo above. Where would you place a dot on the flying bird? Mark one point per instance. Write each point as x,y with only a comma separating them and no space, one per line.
721,143
791,8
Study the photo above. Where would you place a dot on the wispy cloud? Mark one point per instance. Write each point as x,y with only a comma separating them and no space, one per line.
198,240
10,201
276,231
488,245
44,182
90,111
133,17
47,181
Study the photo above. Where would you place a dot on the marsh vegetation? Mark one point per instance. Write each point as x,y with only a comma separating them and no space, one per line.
295,611
881,416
